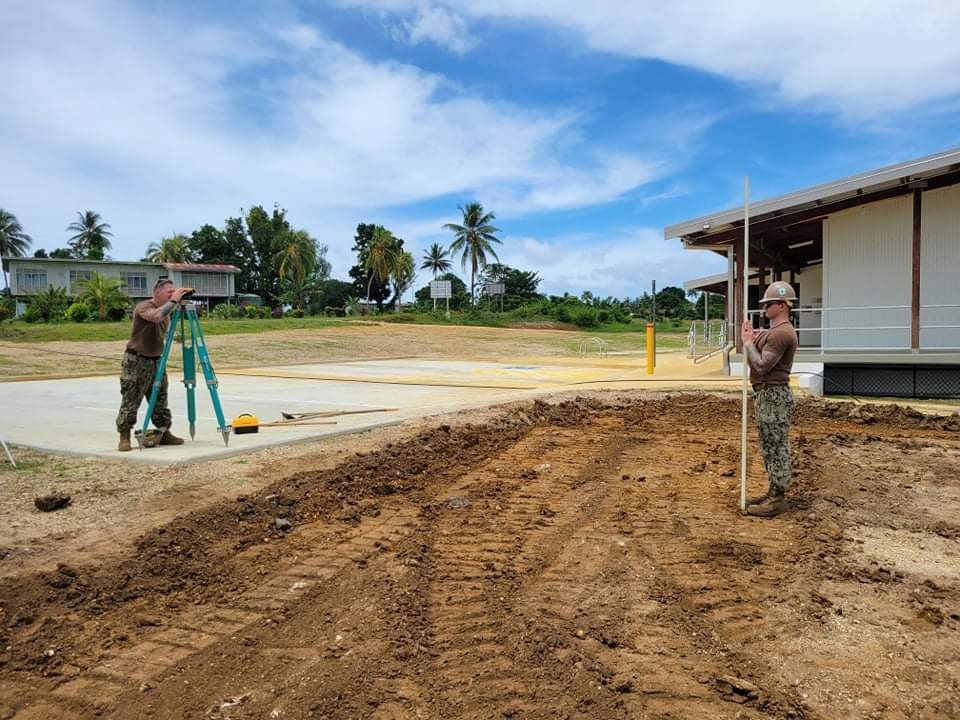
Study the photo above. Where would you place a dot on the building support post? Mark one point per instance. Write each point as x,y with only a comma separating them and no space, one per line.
915,282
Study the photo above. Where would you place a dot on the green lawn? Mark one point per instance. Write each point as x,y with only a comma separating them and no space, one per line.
18,331
631,336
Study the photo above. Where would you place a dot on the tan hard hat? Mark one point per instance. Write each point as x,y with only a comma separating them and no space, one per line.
779,291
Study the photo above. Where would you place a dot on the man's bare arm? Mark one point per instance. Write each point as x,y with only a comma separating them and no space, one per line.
762,362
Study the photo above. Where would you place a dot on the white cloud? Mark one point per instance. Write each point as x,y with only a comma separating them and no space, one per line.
161,123
621,264
859,58
440,26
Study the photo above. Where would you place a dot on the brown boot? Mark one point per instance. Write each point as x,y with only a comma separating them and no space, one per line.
124,445
760,498
168,438
771,506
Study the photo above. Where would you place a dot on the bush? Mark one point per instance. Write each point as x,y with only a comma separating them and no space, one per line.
276,313
584,317
78,312
116,313
226,311
333,311
47,306
263,313
6,312
295,312
251,311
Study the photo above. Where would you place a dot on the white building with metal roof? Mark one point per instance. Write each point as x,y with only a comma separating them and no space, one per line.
874,258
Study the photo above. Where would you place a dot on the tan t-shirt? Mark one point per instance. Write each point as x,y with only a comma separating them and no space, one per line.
149,329
776,346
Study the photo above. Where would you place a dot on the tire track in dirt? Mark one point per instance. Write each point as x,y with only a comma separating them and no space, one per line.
204,626
484,554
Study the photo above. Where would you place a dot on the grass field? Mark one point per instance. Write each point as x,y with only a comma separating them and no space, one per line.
19,331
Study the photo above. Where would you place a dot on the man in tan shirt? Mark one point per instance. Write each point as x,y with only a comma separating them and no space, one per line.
151,318
769,353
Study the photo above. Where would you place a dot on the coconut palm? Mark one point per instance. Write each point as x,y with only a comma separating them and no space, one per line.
474,239
173,249
103,294
402,276
89,241
435,260
14,242
296,263
381,256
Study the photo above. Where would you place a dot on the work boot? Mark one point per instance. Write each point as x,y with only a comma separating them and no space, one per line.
771,506
168,438
760,498
124,445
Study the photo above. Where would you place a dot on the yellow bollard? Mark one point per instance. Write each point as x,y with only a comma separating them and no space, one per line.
651,349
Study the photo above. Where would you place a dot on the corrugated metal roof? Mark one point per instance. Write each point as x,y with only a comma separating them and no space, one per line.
201,267
871,181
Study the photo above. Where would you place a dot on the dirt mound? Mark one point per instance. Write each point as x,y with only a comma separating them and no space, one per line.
873,413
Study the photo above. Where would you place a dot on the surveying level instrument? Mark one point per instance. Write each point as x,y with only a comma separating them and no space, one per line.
194,347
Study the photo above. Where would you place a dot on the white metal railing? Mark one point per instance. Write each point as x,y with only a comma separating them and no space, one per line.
890,333
583,349
706,338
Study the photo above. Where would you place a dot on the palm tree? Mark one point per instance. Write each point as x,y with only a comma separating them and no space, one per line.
173,249
474,239
435,260
103,294
90,239
381,256
296,263
402,276
14,242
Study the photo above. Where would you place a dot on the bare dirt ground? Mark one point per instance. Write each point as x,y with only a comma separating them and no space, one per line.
578,559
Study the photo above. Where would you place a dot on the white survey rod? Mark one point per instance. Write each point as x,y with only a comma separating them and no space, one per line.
746,316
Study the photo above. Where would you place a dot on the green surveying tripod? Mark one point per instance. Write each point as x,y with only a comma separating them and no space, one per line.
185,315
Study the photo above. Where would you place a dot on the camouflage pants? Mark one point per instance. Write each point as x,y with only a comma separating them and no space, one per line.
136,382
773,407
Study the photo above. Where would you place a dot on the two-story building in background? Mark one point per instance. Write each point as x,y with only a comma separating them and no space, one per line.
214,284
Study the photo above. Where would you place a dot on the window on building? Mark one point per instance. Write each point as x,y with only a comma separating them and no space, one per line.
77,278
31,280
204,282
136,282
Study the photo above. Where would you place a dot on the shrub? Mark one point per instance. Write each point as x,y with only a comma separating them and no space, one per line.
225,311
276,313
251,311
333,311
295,312
6,312
116,313
263,313
47,306
78,312
584,317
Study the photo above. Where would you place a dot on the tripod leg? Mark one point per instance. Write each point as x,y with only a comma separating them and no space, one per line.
189,375
158,376
208,374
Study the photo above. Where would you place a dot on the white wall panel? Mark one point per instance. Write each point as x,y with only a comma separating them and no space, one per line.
867,263
940,267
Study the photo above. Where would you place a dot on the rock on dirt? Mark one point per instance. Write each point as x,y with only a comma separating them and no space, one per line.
736,689
51,502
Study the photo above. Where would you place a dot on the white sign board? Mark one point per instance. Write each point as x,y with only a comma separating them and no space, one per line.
494,288
440,289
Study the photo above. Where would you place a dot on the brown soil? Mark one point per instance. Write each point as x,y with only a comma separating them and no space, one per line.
575,560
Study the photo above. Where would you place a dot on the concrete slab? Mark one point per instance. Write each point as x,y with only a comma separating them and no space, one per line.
76,416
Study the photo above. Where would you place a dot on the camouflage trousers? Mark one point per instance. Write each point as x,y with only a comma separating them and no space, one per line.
136,382
773,406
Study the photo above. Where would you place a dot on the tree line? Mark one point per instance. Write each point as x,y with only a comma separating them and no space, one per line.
286,266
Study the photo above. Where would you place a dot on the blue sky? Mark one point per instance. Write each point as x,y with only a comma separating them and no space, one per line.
586,127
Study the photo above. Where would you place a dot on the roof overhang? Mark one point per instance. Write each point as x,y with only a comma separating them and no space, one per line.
804,205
